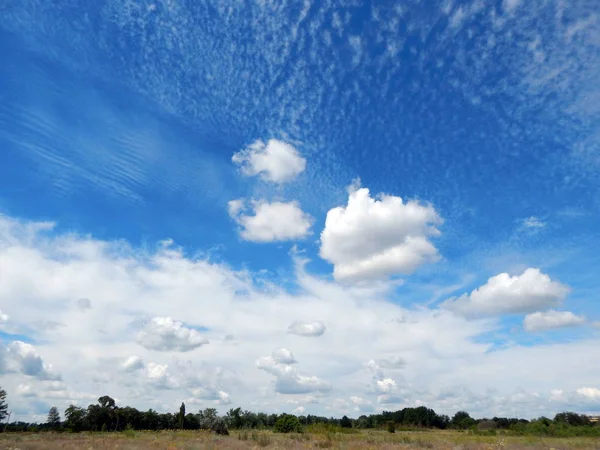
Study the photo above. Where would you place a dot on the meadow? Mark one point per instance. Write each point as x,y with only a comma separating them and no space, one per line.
242,439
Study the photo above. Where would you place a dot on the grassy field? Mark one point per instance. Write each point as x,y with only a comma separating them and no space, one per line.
264,439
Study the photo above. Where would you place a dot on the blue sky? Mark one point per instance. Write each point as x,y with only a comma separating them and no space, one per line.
479,121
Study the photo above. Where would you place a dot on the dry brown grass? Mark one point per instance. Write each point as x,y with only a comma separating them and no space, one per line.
368,440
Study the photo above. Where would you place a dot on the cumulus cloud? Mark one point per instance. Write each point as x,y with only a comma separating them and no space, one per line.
3,317
283,356
442,350
505,294
374,238
287,380
29,362
275,161
547,320
219,397
589,392
165,334
307,328
268,222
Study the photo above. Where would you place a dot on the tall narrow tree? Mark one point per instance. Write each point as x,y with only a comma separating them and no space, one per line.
53,417
181,415
3,405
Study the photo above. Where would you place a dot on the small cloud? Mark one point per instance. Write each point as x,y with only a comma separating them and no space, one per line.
3,317
299,410
25,390
287,380
552,319
132,364
307,328
533,222
505,294
270,222
276,161
165,334
283,356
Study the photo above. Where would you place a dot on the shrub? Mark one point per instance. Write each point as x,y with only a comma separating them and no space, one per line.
287,424
391,426
219,427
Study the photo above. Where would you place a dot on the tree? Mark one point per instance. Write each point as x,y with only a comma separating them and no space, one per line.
462,420
345,422
75,418
53,417
287,423
181,415
3,405
207,418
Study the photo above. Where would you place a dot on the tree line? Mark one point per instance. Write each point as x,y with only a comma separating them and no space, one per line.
106,416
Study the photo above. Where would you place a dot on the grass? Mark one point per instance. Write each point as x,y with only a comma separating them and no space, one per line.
322,439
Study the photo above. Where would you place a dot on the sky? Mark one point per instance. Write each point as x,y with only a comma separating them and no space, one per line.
307,207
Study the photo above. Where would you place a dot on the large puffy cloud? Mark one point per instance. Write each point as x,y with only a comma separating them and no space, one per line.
307,328
165,334
375,238
29,362
275,161
548,320
505,294
44,273
275,221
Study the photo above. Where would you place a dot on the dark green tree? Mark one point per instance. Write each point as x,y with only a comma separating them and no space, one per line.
181,415
3,405
75,418
53,418
462,420
345,422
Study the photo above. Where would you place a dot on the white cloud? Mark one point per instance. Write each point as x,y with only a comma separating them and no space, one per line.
25,390
533,222
269,222
287,380
372,238
299,410
165,334
283,356
275,161
307,328
385,385
551,319
394,362
45,272
589,392
3,317
29,362
505,294
133,363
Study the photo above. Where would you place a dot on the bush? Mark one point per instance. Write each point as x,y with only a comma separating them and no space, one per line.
391,426
219,427
287,424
